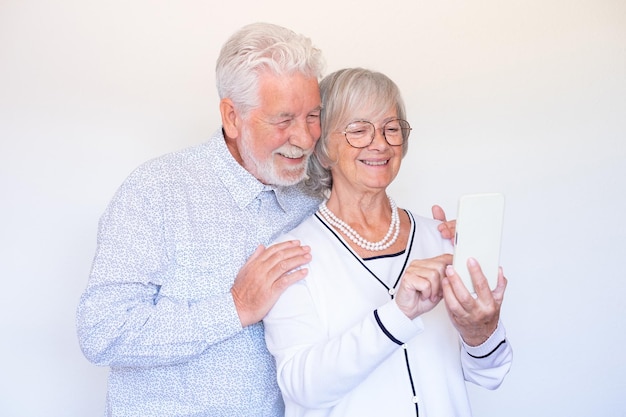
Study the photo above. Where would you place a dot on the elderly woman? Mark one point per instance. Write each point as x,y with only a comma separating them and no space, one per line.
366,333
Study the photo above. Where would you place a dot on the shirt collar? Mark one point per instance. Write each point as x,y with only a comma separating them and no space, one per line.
243,187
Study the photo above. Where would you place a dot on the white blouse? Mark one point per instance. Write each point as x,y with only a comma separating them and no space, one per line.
343,348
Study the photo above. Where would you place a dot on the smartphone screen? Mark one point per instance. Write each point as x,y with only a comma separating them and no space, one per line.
478,235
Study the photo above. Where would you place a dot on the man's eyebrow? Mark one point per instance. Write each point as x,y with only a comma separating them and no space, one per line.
291,115
279,117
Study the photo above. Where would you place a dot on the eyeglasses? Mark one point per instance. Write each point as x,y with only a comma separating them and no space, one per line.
360,134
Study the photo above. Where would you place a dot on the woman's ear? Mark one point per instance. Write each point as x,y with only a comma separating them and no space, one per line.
230,119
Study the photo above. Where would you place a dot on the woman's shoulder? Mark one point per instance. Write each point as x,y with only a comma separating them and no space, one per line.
426,231
423,221
306,231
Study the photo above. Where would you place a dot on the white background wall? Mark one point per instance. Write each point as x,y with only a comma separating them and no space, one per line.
527,98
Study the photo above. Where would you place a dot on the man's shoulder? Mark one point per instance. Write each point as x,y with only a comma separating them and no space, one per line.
299,198
190,155
173,163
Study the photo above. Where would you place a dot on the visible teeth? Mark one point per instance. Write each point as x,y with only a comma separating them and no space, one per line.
292,156
292,152
375,163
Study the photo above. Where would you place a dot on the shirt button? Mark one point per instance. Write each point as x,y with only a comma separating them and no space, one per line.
392,291
415,400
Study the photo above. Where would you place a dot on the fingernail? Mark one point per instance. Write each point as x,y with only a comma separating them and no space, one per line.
449,270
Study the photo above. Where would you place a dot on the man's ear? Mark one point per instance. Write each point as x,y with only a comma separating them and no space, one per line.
230,119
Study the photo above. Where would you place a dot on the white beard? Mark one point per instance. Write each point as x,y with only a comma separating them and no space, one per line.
266,171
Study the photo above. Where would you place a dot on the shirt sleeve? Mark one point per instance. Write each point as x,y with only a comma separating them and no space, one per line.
486,365
125,317
316,371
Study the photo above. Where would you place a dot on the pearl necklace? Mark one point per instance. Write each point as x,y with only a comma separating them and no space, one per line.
394,228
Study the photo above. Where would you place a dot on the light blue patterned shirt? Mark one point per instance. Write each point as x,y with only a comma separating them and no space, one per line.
158,308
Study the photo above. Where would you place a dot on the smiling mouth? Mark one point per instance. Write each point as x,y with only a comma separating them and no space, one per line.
295,157
292,156
291,152
375,163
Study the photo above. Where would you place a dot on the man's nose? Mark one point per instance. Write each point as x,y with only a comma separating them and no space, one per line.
305,134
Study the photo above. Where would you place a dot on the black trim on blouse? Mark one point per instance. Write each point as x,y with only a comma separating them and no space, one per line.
488,354
385,331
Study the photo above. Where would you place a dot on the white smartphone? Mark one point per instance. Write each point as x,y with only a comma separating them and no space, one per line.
478,235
